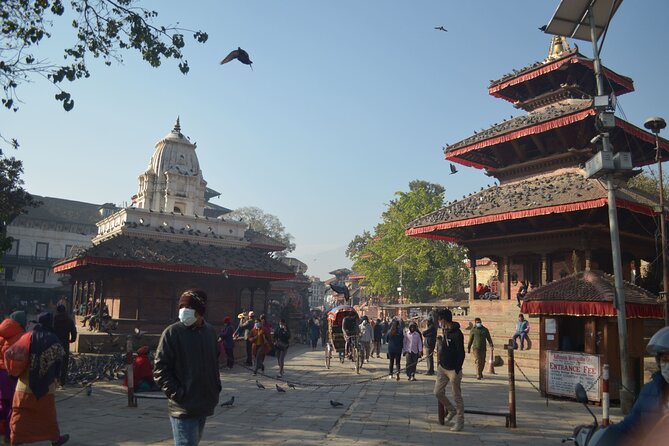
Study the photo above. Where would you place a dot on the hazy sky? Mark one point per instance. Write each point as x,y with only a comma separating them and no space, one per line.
348,101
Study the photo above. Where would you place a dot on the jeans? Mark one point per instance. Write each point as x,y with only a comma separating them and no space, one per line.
280,358
443,378
522,340
394,360
187,431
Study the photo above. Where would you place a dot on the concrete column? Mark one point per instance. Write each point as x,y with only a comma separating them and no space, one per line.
588,258
472,275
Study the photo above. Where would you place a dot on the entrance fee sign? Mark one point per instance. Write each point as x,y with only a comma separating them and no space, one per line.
566,369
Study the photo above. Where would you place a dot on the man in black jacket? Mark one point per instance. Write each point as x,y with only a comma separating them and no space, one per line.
430,336
66,330
451,358
187,369
378,334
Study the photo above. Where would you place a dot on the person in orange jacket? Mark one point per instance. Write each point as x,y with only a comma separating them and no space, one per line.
142,372
11,329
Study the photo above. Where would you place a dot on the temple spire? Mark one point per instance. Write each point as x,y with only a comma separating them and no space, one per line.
558,46
177,127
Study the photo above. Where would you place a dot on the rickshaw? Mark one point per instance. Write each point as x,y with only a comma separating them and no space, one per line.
336,341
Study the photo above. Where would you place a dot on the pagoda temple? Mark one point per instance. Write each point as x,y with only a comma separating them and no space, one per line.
144,257
544,219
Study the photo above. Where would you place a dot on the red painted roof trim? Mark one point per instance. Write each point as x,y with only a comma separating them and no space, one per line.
589,308
539,71
170,267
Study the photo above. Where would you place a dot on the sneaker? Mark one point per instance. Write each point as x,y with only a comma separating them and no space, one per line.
458,426
61,440
451,414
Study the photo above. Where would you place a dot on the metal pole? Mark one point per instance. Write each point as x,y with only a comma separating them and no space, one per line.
663,223
626,396
605,395
132,402
512,386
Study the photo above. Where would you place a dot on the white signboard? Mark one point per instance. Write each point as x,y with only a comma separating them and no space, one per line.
565,369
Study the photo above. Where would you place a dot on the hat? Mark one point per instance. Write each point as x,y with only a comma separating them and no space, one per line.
20,317
195,299
227,320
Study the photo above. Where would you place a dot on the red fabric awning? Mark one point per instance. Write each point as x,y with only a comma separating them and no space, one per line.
170,267
589,308
532,130
641,134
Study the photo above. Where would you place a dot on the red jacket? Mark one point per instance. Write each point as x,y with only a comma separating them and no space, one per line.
10,332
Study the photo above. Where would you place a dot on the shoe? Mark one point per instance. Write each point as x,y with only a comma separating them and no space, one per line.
458,426
279,375
430,373
61,440
255,373
390,376
451,414
479,378
413,378
398,377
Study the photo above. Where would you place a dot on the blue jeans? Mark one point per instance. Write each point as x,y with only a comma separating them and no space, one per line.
522,339
187,431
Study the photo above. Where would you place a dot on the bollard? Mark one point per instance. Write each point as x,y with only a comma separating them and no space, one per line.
491,363
129,372
512,386
605,395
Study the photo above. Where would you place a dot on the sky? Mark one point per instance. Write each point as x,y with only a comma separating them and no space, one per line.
347,102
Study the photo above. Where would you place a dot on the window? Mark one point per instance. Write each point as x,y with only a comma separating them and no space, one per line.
41,250
39,275
9,274
14,250
68,250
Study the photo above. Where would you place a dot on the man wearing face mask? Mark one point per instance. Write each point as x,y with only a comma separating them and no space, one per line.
187,369
477,339
451,357
649,415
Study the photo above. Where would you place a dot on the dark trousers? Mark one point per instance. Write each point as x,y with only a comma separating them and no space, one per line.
430,360
411,362
63,366
249,353
229,356
394,360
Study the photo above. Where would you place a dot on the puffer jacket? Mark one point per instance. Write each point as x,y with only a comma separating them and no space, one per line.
186,369
452,352
10,332
647,410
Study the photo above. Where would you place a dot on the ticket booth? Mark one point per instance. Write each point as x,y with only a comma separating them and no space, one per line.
579,332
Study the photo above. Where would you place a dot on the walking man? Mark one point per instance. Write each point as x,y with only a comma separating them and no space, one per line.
187,369
430,336
477,339
66,330
366,336
376,342
451,357
413,349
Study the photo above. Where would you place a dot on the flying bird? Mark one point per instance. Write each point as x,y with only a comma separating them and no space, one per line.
280,389
453,169
441,28
542,28
341,289
335,403
260,386
240,55
228,403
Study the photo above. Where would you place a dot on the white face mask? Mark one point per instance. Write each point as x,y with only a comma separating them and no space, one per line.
187,316
664,369
479,325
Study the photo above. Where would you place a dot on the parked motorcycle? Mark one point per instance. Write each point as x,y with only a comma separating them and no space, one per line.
588,434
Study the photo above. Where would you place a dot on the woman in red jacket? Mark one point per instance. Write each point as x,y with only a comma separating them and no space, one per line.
11,329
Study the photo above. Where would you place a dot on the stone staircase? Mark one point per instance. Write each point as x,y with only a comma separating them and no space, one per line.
500,317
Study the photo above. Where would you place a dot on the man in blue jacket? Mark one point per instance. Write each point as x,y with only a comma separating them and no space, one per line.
451,357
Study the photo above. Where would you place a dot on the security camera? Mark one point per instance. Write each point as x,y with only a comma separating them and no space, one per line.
596,139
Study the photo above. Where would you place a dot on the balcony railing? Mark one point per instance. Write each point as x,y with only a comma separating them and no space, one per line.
14,260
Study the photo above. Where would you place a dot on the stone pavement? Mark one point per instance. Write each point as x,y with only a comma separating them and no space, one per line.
375,411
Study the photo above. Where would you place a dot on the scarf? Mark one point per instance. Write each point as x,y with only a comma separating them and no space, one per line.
46,353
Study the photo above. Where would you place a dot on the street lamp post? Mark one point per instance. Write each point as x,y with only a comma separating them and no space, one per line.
655,124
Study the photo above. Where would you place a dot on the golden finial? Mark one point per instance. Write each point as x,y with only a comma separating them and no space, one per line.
558,46
177,127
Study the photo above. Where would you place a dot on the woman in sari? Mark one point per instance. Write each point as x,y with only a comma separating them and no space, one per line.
36,360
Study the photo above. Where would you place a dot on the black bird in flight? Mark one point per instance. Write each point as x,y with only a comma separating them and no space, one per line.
260,386
453,169
280,389
228,403
240,55
335,403
441,28
542,28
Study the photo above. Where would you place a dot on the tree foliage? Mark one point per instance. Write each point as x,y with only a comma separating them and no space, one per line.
103,28
266,224
429,268
648,182
13,198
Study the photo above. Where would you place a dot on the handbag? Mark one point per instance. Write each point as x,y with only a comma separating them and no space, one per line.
280,345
